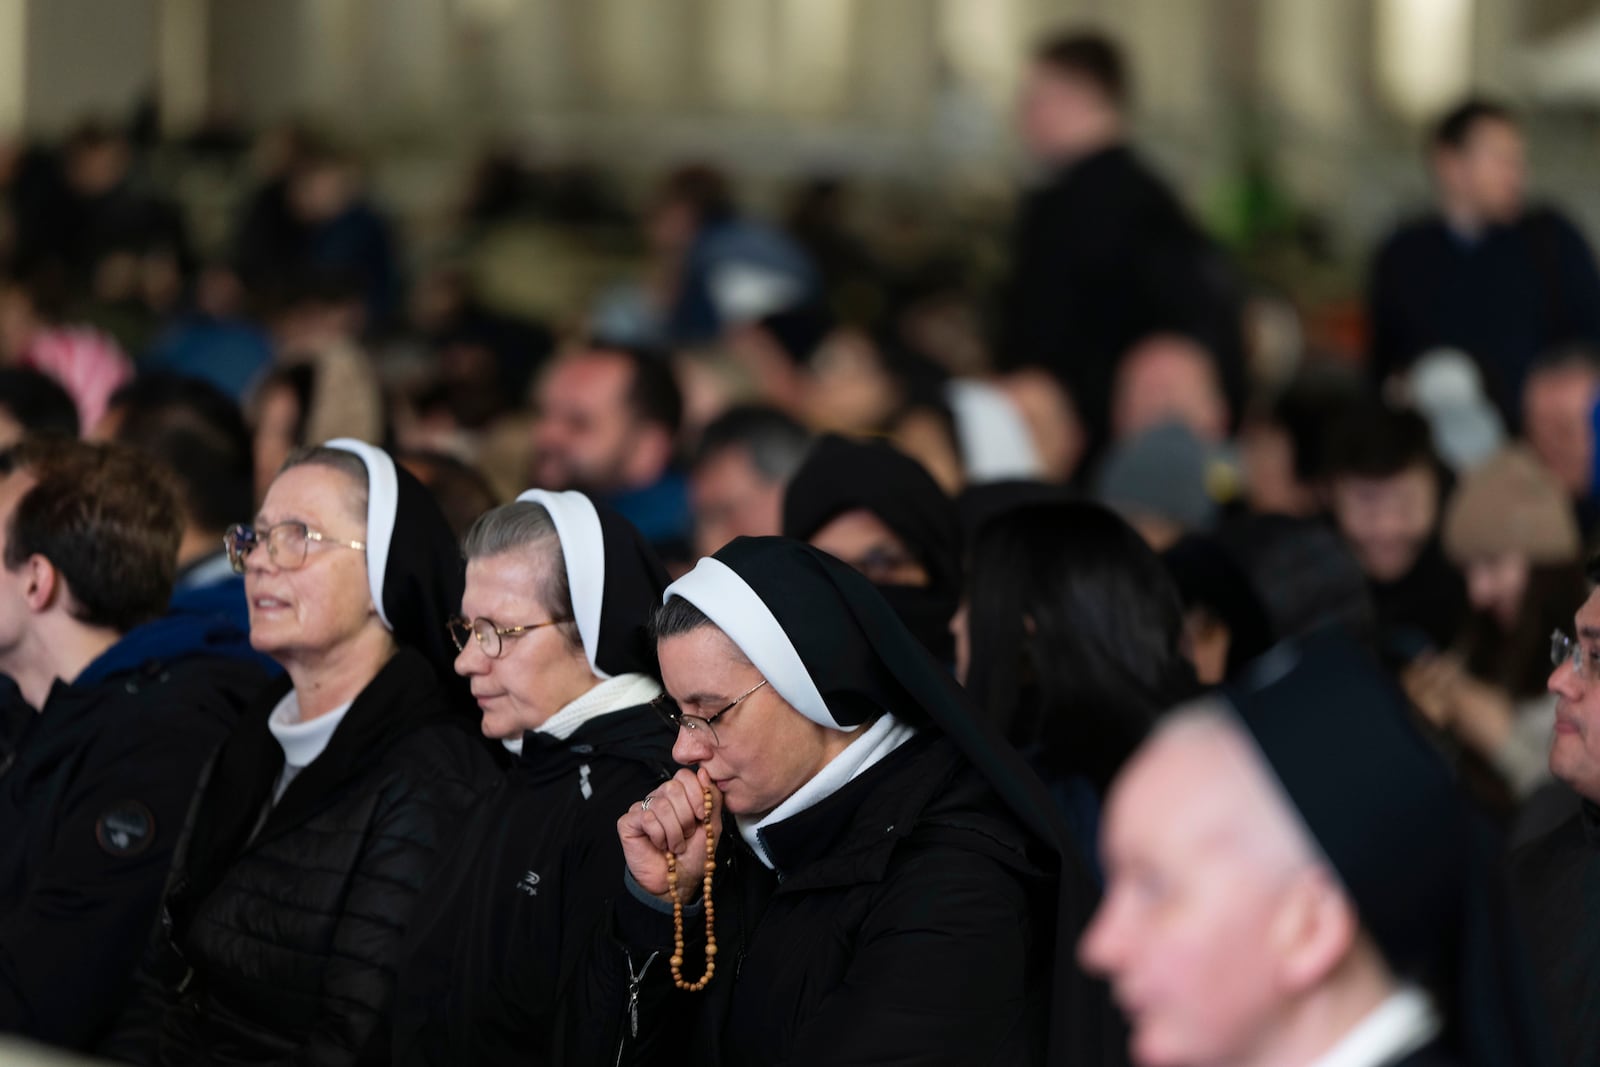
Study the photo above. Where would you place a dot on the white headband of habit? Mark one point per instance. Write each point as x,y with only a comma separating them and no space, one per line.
583,548
383,501
729,602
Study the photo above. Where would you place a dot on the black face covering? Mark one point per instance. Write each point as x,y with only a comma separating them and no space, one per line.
926,613
841,475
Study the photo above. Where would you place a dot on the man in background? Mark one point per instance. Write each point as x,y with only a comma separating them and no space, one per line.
740,470
1104,254
607,424
1484,273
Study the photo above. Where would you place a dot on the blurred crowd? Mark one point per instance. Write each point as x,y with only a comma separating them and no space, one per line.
1235,700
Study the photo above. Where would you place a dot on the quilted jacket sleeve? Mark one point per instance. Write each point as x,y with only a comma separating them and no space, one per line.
409,831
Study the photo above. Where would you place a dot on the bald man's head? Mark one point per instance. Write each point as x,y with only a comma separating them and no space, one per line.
1221,918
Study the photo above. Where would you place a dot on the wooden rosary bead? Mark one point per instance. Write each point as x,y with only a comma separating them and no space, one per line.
676,960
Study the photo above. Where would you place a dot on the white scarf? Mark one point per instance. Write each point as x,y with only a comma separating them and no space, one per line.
868,749
613,694
1397,1027
302,742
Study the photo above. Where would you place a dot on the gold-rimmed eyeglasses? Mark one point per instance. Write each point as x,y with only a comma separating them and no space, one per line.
678,719
491,638
287,543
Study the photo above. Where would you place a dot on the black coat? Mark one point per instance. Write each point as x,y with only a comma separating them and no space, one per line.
1507,298
92,800
516,903
1556,883
1103,255
902,929
281,942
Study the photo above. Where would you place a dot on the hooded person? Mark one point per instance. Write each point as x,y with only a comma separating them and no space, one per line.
553,638
880,511
1296,835
889,881
318,821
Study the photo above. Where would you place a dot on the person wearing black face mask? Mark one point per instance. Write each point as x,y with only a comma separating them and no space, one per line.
878,510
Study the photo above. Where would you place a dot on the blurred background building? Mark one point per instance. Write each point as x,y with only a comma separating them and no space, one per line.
1262,111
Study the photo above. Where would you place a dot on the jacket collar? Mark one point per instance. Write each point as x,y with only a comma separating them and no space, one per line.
635,734
849,838
1589,818
403,696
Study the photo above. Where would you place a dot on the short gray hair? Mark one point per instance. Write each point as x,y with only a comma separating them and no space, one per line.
776,444
524,526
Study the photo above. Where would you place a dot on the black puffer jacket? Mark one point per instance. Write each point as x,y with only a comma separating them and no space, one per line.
903,926
92,802
280,944
516,904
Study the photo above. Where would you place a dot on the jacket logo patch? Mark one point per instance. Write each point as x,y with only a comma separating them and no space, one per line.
530,883
125,829
583,782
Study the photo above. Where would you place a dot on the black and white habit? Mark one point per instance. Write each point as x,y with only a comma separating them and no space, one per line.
915,902
517,899
309,842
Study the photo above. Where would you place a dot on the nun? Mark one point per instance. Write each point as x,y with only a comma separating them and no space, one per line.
552,636
855,871
880,511
317,823
1292,879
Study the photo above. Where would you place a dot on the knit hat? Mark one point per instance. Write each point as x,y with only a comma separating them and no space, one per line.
1511,504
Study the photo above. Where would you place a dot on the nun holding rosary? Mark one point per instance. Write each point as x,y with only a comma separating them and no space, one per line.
553,638
856,871
319,819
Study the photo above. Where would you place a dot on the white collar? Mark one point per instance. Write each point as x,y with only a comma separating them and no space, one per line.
303,742
867,749
613,694
1397,1027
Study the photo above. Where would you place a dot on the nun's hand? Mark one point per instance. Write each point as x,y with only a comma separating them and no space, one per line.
674,822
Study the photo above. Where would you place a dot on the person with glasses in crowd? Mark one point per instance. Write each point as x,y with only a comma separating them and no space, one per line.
1556,877
857,870
108,711
322,816
552,638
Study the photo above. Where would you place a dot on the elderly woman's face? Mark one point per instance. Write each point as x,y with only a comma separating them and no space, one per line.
764,750
313,610
538,672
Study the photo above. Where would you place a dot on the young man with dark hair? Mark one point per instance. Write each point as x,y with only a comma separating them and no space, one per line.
1104,253
1386,493
111,710
1485,273
740,471
608,424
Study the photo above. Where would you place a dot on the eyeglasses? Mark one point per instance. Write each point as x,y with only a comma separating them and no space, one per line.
491,637
286,544
1564,649
676,718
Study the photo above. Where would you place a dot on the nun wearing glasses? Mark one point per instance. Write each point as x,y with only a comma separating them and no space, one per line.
552,637
319,820
889,885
